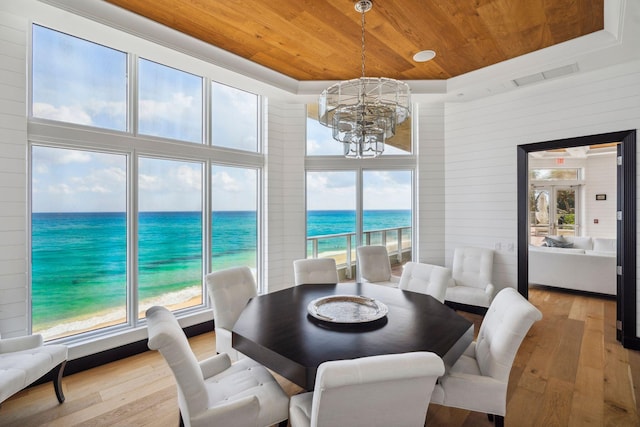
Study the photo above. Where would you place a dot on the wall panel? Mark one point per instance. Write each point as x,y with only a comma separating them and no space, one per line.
482,136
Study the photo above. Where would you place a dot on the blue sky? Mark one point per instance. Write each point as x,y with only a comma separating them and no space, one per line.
84,83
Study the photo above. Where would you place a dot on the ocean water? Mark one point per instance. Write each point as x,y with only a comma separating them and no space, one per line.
79,265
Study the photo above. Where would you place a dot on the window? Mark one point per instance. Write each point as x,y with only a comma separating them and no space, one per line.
169,234
78,241
234,217
554,202
169,102
387,212
77,81
555,174
123,224
331,216
234,118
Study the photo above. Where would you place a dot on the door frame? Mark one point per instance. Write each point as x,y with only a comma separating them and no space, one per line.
626,226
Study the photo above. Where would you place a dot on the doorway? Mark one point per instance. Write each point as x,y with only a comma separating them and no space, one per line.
626,222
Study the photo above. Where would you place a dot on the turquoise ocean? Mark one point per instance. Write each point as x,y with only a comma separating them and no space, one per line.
79,259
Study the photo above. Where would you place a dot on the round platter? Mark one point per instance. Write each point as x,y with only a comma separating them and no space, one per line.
347,309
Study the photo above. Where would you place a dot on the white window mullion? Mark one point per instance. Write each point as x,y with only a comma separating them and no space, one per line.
132,185
359,214
206,228
206,111
132,94
132,239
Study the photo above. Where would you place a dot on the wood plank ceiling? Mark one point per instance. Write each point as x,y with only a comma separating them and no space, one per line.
321,39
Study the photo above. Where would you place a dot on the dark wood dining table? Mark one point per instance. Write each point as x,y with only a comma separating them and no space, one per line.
276,330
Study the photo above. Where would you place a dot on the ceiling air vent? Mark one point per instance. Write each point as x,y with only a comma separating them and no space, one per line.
546,75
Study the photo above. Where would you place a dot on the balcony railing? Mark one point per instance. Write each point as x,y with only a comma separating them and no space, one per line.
342,247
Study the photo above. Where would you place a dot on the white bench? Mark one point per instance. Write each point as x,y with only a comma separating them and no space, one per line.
24,360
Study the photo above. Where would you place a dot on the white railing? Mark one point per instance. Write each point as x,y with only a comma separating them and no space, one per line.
344,253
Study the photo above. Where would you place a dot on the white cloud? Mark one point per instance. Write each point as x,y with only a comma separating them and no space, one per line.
71,114
226,182
74,156
60,189
108,108
149,182
179,105
190,177
41,168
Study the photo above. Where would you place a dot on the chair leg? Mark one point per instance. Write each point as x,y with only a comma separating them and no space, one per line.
490,416
284,423
58,371
499,421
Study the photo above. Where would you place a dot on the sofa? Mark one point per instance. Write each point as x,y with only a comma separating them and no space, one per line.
26,359
579,263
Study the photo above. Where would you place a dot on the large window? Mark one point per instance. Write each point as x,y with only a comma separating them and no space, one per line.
78,241
331,217
169,102
120,219
234,217
169,234
234,118
387,211
77,81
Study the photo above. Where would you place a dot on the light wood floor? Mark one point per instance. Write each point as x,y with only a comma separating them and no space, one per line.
570,371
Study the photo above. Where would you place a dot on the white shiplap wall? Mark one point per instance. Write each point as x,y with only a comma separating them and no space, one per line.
600,178
285,193
13,193
480,151
430,188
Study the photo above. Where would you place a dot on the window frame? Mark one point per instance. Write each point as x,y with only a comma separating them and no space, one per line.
56,134
383,163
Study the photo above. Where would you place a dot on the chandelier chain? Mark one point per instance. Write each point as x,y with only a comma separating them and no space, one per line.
364,112
363,48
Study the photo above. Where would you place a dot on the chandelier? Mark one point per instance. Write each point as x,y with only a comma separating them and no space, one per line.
364,112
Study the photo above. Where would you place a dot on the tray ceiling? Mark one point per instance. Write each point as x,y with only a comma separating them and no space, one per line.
320,39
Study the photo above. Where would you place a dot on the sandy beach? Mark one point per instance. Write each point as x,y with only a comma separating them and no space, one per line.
188,297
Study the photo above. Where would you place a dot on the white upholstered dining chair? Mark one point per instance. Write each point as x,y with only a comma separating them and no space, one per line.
229,291
310,271
214,391
374,266
386,390
471,288
478,380
425,278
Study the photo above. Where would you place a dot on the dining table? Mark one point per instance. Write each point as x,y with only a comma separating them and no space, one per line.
284,331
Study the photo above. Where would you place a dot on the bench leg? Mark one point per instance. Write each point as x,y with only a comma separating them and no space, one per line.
57,380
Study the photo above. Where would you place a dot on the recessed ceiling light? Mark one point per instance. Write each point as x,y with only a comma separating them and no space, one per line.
424,56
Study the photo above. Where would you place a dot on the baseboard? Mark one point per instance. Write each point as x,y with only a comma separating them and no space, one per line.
117,353
632,343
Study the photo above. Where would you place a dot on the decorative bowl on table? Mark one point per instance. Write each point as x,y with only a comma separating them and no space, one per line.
347,309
